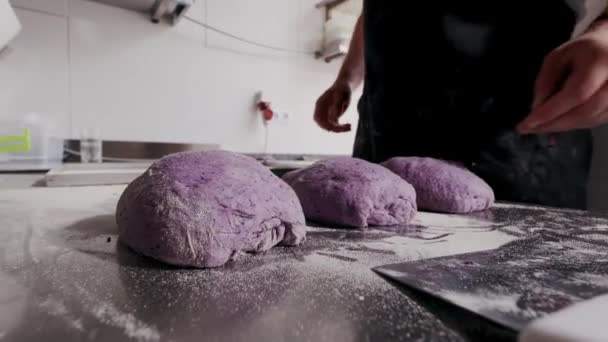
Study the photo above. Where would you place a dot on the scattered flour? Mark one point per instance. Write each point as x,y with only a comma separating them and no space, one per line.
589,278
487,302
54,307
132,327
110,315
446,221
298,289
518,206
414,248
57,308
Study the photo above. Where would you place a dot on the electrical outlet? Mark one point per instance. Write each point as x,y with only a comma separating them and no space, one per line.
281,118
257,98
264,108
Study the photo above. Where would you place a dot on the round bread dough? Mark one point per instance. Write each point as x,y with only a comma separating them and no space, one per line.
353,192
201,209
442,186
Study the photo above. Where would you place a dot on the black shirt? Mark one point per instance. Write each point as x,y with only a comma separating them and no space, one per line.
451,79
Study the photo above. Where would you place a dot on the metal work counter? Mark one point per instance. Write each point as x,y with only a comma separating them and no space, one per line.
64,277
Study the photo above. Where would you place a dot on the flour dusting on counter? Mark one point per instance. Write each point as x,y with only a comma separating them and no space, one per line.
58,309
86,288
132,327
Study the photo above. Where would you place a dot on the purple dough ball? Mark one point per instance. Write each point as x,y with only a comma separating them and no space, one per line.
202,209
353,192
442,186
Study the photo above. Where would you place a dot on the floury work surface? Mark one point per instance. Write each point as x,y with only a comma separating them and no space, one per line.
63,276
518,282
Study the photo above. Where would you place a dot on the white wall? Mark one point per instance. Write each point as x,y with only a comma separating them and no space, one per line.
34,71
90,65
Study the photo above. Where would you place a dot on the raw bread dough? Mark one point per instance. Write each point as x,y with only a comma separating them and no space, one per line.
442,186
353,192
202,209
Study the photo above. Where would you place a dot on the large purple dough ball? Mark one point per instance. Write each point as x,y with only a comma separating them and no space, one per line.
202,209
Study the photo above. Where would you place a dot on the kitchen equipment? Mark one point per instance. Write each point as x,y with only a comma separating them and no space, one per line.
136,151
91,146
281,166
13,143
518,282
339,27
109,173
287,164
341,17
9,24
76,174
173,10
35,144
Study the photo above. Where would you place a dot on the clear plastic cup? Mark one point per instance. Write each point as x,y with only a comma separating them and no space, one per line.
91,146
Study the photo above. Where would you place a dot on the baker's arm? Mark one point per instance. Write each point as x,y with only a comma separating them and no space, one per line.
352,71
335,100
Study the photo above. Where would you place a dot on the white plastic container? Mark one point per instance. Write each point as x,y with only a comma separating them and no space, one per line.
339,28
46,144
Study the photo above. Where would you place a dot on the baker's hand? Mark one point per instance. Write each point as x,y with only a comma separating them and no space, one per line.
571,91
331,105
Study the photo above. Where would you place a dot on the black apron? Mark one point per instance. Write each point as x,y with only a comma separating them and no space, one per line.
451,80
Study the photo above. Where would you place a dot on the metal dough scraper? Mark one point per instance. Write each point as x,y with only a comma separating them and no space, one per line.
517,283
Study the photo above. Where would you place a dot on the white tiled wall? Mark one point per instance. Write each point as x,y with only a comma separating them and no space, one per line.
268,21
34,71
58,7
90,65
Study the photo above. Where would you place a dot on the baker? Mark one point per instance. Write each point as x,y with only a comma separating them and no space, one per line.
510,89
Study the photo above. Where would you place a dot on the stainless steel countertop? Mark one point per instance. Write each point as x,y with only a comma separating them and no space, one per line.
20,180
64,277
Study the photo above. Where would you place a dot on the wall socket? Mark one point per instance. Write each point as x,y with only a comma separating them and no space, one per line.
280,118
